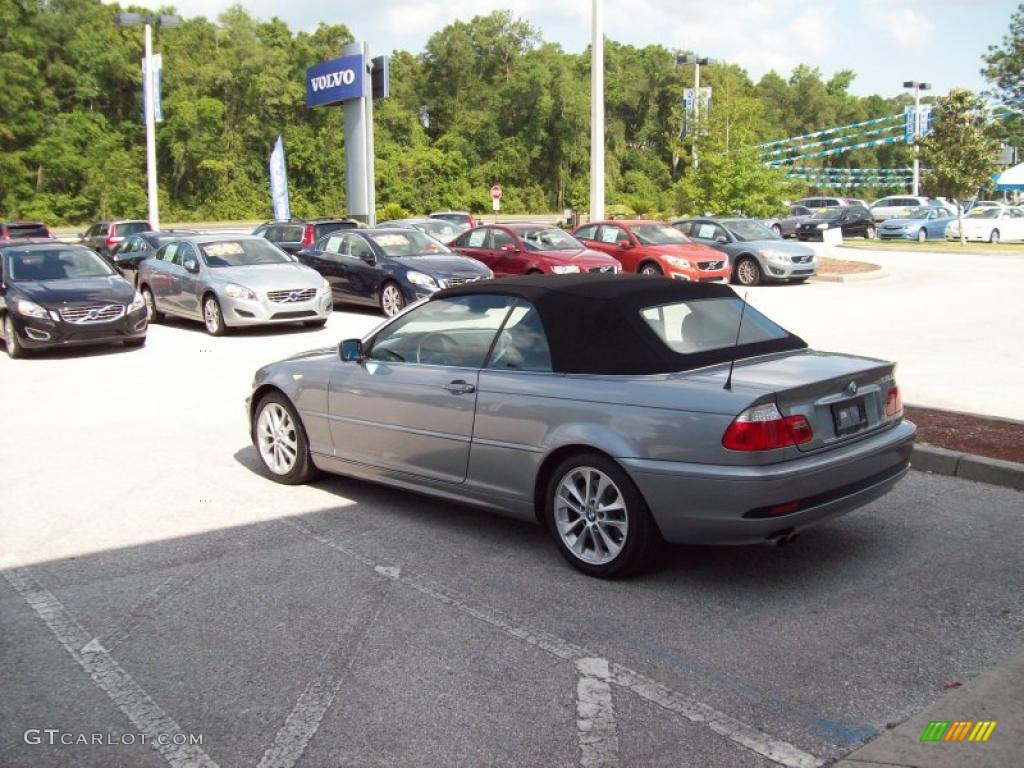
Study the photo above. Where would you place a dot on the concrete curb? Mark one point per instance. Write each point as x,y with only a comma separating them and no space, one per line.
853,277
941,461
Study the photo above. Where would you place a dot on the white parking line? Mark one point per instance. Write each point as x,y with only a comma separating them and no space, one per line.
144,713
595,715
303,721
675,703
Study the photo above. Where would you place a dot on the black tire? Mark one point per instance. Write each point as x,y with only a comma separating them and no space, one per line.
315,323
747,271
303,469
534,272
14,349
798,280
135,343
922,235
155,315
391,299
213,317
641,540
994,237
869,233
777,229
650,268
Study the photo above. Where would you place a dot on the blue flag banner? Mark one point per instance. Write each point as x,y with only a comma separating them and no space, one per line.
279,182
158,78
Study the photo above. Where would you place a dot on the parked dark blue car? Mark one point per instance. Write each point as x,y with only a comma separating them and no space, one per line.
388,268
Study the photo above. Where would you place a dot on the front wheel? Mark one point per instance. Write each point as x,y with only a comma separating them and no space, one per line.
391,299
281,441
869,233
922,235
153,314
213,318
748,271
994,237
598,518
14,349
651,269
777,229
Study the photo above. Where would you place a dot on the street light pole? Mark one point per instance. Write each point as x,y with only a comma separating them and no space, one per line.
918,87
150,107
697,61
597,115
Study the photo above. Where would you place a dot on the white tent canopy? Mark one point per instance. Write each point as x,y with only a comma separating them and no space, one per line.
1011,178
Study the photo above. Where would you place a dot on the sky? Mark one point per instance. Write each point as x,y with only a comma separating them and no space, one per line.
884,41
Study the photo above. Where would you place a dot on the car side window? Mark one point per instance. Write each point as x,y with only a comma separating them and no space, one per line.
499,238
358,248
686,227
456,332
588,232
477,237
169,252
185,252
522,344
612,234
331,244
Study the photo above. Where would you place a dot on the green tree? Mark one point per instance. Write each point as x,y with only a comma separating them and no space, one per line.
961,150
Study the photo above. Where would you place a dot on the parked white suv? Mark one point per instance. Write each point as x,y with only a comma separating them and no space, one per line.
888,207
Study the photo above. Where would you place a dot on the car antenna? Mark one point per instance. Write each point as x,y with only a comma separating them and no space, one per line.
739,328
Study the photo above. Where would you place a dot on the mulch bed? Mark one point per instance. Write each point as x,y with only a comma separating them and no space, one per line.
968,433
842,267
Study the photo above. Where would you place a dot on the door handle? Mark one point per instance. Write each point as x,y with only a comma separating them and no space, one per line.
459,387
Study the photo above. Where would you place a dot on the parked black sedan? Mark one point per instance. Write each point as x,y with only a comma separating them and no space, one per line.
57,295
135,249
852,220
388,268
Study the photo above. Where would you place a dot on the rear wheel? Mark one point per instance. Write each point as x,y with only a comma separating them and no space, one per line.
391,299
213,318
598,518
869,233
748,271
281,441
14,348
777,229
154,315
922,235
994,237
651,269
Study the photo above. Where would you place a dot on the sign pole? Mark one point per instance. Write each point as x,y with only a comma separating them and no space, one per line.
154,203
597,114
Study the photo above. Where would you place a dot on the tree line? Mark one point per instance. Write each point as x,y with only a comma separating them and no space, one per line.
487,101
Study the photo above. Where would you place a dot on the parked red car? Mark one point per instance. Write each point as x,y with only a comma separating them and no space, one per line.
21,230
655,248
523,249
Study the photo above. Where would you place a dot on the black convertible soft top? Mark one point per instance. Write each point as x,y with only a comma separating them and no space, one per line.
593,322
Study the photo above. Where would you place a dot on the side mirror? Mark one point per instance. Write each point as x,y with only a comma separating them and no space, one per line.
191,265
351,351
624,243
368,258
722,239
509,247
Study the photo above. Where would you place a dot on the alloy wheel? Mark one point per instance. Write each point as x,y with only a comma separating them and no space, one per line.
391,300
650,269
922,236
994,237
277,438
211,315
591,515
747,272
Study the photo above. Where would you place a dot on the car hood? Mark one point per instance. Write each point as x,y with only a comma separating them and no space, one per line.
268,277
311,354
686,250
444,265
114,289
577,255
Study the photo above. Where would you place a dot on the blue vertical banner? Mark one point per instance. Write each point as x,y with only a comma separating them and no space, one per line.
279,182
158,82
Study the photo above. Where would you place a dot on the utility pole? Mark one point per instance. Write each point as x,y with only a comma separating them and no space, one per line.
918,87
697,61
597,115
150,93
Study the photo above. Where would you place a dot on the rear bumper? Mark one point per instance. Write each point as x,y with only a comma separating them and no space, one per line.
707,504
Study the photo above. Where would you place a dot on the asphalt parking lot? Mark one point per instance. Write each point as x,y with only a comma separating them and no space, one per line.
155,582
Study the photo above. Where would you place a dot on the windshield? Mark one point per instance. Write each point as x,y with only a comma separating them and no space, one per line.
549,239
984,213
440,229
658,234
912,213
410,242
747,229
702,324
828,213
67,263
243,253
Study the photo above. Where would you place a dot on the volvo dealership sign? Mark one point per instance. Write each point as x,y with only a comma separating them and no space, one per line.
335,80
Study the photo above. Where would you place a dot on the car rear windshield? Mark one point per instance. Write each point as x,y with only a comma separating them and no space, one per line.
704,324
132,227
243,253
409,242
54,264
747,229
15,231
457,218
658,234
549,239
325,228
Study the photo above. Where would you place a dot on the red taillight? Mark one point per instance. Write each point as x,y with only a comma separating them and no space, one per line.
307,236
763,428
893,403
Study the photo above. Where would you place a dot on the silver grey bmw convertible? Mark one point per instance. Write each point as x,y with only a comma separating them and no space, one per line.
619,411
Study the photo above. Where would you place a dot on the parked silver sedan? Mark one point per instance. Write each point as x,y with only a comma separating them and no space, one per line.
603,406
230,281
